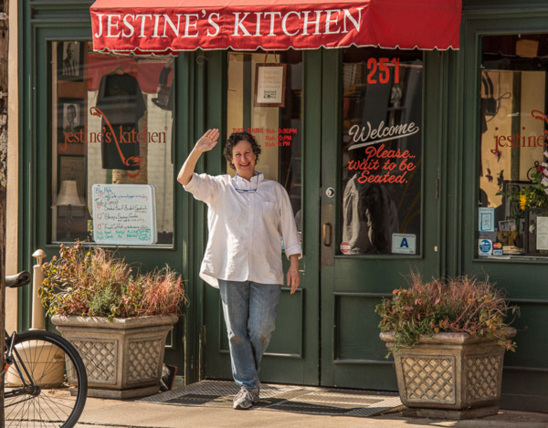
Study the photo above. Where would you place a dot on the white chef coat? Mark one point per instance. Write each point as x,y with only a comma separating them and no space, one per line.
245,222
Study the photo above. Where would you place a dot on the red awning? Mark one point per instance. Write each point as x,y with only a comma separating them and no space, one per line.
168,26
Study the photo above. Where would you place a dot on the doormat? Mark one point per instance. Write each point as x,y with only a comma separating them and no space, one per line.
286,398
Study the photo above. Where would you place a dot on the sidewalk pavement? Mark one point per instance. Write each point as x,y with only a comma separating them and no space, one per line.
101,413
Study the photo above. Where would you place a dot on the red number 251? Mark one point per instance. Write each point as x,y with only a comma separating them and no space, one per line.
383,66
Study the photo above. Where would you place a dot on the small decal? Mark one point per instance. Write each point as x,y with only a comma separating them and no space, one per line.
345,247
485,247
404,243
497,248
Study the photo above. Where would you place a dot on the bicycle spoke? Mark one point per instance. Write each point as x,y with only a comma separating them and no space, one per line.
45,412
40,410
16,414
51,409
38,382
54,404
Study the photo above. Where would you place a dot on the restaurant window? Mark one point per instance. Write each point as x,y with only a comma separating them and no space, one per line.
112,153
381,198
513,169
270,108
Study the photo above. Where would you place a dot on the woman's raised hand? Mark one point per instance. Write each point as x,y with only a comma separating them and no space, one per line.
204,144
208,141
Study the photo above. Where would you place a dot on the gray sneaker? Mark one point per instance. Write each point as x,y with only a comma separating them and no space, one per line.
246,398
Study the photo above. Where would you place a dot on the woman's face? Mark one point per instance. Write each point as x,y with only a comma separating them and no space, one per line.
244,159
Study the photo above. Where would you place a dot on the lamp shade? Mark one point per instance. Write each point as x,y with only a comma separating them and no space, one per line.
68,195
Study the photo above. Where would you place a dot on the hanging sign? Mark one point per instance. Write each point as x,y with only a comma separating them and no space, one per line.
269,85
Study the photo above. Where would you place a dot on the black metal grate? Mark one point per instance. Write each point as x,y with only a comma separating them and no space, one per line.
286,398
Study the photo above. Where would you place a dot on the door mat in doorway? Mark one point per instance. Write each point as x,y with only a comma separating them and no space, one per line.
287,398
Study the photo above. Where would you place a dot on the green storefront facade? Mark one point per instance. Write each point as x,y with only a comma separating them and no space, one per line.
327,333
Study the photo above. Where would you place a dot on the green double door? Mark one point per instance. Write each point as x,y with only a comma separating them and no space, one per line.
327,333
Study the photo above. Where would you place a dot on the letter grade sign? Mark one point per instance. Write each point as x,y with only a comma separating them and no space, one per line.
177,25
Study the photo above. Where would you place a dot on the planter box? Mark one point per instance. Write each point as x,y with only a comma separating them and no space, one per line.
455,373
123,357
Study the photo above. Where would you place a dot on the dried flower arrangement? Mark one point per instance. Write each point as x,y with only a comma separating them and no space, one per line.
460,305
93,282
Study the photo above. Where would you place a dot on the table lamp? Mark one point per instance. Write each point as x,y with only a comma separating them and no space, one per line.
68,196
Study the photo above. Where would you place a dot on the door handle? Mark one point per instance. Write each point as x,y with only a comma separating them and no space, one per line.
326,234
327,246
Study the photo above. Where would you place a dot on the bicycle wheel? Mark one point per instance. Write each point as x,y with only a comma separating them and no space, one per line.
46,384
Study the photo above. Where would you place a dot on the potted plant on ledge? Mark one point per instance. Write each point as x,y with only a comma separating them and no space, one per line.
117,318
448,340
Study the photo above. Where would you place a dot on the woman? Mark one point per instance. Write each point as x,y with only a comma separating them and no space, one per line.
246,216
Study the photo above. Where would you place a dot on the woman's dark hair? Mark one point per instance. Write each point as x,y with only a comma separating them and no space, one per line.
234,139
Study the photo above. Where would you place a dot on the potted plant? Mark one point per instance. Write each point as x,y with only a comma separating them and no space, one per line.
117,317
448,340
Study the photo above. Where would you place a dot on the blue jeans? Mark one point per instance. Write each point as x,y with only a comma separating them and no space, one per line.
250,314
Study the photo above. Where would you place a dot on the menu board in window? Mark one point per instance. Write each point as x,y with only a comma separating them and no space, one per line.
124,214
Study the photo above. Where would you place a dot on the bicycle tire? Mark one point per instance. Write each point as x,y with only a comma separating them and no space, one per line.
55,366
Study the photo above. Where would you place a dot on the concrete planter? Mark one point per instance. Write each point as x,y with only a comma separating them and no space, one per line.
450,375
123,357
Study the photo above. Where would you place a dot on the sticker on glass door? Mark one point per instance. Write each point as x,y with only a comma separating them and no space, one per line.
404,243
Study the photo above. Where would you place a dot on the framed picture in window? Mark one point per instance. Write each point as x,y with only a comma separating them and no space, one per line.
269,85
70,61
70,122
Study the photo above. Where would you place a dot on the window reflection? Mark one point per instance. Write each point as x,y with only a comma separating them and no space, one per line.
278,130
112,124
513,175
381,152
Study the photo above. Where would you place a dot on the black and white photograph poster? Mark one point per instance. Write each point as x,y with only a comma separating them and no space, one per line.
69,61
